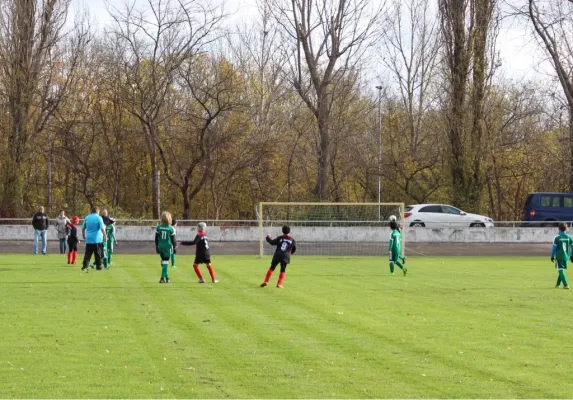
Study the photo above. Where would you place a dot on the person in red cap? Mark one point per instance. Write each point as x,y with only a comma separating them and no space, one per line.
73,240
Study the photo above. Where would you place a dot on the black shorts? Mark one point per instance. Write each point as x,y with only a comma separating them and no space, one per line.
276,261
72,245
202,260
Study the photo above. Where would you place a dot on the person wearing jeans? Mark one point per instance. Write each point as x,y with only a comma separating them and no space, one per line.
62,223
40,222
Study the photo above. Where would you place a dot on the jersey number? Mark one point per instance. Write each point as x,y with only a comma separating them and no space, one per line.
163,235
284,246
206,244
564,247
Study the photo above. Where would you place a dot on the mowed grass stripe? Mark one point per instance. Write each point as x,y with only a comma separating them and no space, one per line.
457,327
173,343
274,351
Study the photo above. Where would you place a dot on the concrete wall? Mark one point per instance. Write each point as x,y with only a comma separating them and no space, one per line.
320,234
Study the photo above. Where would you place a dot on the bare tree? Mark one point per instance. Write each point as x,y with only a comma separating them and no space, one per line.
410,49
469,29
153,42
553,25
410,52
31,53
209,91
325,39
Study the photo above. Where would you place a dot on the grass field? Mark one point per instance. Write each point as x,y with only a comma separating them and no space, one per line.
341,328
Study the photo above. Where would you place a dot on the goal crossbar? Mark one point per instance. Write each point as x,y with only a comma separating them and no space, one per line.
262,211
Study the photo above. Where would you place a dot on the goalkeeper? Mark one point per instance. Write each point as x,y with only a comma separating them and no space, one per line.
395,249
561,253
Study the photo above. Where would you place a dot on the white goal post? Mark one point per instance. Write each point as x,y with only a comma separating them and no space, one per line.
331,229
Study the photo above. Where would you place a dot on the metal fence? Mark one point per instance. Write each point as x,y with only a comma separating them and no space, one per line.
328,223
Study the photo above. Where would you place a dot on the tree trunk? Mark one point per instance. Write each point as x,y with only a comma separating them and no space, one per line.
321,190
12,192
571,149
186,202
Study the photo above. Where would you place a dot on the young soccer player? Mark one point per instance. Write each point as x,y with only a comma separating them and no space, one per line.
286,245
164,244
561,253
73,240
395,248
111,240
174,225
202,254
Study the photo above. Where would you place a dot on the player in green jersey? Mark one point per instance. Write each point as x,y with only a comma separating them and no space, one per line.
164,244
561,253
111,240
395,248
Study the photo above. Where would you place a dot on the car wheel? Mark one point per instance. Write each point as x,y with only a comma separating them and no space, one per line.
477,225
417,225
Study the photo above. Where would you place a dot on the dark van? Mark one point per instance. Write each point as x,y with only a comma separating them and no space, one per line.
545,209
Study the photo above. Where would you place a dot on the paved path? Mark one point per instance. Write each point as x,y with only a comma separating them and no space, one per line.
252,248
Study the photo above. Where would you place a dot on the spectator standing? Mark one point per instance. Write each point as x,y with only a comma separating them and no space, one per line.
94,234
40,222
62,223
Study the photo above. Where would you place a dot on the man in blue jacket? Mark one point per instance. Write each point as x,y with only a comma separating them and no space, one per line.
94,235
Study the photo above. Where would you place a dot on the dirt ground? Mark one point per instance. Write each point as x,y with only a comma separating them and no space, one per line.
252,248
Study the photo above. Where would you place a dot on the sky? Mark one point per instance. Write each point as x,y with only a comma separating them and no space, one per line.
521,58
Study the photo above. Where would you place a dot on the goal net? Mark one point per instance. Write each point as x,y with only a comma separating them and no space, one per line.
335,229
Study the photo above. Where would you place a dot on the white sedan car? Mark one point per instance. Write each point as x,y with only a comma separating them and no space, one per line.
443,216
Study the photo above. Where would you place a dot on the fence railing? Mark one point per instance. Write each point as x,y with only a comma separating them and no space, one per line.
273,222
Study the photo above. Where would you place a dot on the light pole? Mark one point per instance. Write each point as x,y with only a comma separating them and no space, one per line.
379,148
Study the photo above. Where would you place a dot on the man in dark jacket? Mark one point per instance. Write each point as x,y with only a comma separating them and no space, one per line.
40,222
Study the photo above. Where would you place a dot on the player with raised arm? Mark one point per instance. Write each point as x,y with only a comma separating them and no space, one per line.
164,244
561,253
202,253
286,245
395,248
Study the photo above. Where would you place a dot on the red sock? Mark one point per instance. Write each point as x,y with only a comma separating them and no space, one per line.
69,257
211,271
268,275
281,278
74,256
198,271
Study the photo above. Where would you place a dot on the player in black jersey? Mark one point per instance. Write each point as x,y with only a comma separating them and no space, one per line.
286,245
202,254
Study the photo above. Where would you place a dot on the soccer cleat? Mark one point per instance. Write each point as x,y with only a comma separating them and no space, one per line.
201,280
280,286
405,271
404,260
167,280
557,286
173,266
391,273
162,280
264,284
84,269
215,281
566,287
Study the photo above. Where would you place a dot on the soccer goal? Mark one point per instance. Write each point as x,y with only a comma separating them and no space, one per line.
331,229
